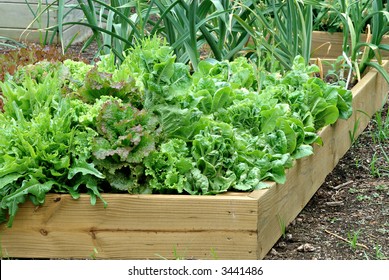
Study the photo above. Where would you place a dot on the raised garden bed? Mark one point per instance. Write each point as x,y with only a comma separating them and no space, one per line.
329,45
228,226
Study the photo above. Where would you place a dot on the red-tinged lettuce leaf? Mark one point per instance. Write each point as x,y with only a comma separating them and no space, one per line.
130,178
126,136
99,84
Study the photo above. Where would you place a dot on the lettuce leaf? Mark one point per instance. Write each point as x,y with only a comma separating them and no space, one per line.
125,137
42,149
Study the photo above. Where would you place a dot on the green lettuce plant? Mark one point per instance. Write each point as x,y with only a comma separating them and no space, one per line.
40,148
148,125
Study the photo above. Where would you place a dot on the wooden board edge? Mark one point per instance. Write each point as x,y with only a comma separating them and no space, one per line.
329,45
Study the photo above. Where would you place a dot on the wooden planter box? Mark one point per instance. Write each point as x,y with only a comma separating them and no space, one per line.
229,226
329,45
16,17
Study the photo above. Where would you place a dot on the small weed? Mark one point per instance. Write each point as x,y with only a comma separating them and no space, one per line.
381,132
375,195
214,254
94,253
386,158
374,171
357,163
353,134
363,197
176,255
333,220
381,187
352,190
379,255
353,239
384,230
3,252
366,255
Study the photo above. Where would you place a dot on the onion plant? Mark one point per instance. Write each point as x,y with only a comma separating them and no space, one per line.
189,26
116,26
282,29
358,17
192,26
38,10
45,10
10,43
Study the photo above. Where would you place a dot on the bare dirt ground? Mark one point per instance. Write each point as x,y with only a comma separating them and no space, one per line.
348,217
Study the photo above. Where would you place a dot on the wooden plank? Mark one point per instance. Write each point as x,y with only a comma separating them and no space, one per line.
141,213
327,45
233,225
132,245
146,224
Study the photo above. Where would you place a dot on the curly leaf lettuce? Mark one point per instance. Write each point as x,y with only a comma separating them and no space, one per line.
126,136
39,148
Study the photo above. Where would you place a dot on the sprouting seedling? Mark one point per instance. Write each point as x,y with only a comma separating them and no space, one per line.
353,239
379,255
214,254
354,134
3,251
374,171
94,253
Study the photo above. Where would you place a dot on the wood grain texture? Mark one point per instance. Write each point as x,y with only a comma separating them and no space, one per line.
327,45
232,225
